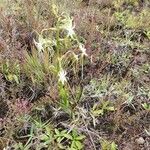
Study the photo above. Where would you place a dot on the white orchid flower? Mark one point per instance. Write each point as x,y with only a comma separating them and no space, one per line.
71,32
68,25
83,49
42,42
62,76
39,45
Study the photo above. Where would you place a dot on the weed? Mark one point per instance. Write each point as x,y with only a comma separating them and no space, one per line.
146,106
75,139
100,110
107,145
11,73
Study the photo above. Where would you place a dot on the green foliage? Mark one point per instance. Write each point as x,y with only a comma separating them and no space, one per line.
59,136
34,69
40,136
108,145
98,88
141,70
73,137
148,34
98,110
133,21
64,98
76,141
119,3
11,71
146,106
20,146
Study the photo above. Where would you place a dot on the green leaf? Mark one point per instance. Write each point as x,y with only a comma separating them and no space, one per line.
81,137
146,106
57,131
16,79
44,137
105,104
64,97
68,136
98,112
79,145
74,133
111,108
113,146
10,77
59,139
61,146
73,145
63,132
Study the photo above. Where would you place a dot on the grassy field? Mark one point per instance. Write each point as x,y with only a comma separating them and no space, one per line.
74,75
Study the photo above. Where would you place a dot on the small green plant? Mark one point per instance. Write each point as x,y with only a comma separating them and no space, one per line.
98,88
147,34
74,139
20,146
40,136
11,71
64,98
34,69
108,145
121,16
146,106
102,108
134,21
29,142
60,136
129,98
141,70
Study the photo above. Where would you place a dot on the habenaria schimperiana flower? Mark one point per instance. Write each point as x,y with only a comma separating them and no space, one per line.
62,76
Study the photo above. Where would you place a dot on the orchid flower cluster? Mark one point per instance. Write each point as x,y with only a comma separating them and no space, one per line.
65,23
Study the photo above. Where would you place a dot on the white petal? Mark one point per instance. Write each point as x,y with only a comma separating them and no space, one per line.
62,76
83,50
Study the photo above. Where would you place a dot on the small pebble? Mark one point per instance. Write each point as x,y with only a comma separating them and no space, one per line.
140,140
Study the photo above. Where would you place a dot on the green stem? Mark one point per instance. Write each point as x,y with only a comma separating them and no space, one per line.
82,67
